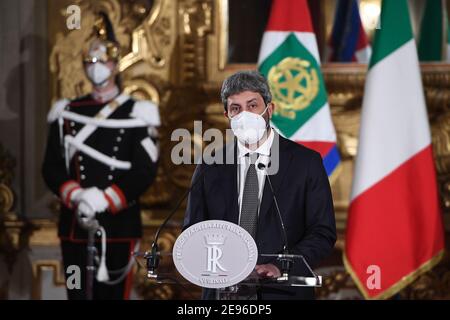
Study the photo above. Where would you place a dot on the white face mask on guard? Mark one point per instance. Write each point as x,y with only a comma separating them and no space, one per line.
249,127
98,73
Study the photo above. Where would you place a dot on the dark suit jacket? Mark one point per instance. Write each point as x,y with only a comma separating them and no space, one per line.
304,196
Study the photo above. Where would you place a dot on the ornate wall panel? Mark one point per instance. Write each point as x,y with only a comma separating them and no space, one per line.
15,233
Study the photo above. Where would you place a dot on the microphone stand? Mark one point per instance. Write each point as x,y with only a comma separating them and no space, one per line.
90,267
285,258
291,257
91,228
152,257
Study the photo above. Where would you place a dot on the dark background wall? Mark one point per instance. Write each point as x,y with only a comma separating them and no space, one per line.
24,99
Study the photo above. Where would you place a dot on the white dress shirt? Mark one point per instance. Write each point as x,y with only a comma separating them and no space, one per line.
243,163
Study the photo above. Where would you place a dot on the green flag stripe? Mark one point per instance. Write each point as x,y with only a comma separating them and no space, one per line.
291,47
395,30
431,32
448,28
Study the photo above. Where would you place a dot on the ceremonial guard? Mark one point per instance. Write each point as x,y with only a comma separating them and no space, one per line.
101,156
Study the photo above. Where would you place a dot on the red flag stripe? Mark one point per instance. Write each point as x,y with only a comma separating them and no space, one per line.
396,224
290,15
363,41
321,147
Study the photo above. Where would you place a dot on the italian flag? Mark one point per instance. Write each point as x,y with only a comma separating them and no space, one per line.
289,59
394,231
434,43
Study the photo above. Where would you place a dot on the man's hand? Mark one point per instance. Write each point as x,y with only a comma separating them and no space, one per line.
268,270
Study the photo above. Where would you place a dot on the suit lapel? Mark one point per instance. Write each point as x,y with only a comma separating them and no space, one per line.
276,179
230,187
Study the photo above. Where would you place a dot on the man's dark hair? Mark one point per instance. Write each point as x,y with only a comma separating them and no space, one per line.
245,81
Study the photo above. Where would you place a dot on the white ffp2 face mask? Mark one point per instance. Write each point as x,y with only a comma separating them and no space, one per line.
249,127
98,73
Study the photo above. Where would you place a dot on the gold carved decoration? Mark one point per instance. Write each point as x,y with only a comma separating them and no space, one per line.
38,267
6,199
436,79
148,39
9,223
345,85
432,285
7,164
337,281
14,230
196,24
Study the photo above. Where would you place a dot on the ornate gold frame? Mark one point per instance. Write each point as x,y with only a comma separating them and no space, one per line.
38,268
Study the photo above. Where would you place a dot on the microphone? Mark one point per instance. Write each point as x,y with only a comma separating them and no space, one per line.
262,166
285,258
154,255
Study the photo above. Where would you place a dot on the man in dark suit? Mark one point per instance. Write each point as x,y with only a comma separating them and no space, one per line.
238,192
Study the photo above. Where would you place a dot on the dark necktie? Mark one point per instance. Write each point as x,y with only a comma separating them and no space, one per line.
250,203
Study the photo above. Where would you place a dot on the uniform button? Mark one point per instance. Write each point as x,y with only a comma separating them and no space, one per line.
110,177
83,177
82,168
113,157
72,124
122,131
116,149
112,168
74,132
80,158
119,139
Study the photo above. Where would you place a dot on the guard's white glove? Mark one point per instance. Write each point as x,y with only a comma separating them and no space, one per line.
94,198
75,197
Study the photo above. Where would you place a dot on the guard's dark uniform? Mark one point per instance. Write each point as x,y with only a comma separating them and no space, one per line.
134,146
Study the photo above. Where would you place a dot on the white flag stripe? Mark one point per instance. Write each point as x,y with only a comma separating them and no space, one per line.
448,52
318,128
394,101
309,40
273,39
363,55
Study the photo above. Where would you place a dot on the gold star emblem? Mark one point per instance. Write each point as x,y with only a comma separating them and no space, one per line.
294,84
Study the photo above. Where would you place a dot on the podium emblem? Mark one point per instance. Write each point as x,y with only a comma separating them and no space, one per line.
215,254
213,243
